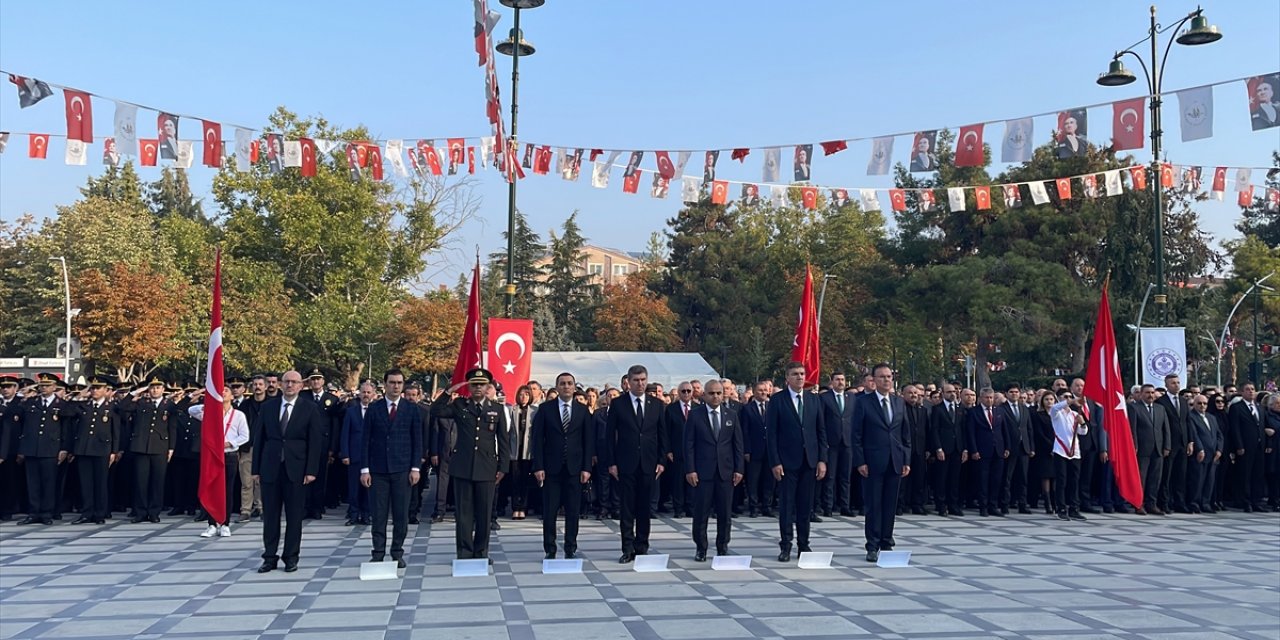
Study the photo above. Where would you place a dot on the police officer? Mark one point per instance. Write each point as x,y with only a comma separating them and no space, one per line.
332,409
476,461
94,443
152,434
184,468
10,426
43,443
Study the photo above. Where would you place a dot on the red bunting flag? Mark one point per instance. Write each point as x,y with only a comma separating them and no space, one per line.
631,183
470,351
719,191
373,158
147,149
38,146
809,197
1139,175
214,426
471,159
1104,386
253,151
740,154
79,116
834,146
1220,179
428,152
1127,124
898,199
308,157
542,160
1245,197
456,147
983,196
212,143
595,153
1064,188
1166,175
806,346
969,146
665,168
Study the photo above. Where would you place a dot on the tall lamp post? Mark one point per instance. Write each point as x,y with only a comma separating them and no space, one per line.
1200,32
515,46
66,288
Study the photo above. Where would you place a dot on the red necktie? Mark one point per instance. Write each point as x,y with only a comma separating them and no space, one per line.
393,412
990,422
685,408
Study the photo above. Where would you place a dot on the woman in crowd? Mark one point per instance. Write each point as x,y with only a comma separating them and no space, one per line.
1041,464
522,455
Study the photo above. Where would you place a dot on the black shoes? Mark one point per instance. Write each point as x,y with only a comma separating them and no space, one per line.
1075,515
551,555
133,520
804,548
82,520
570,554
290,568
700,556
413,520
785,556
266,567
1024,510
400,563
1062,515
437,518
813,517
725,552
873,555
626,558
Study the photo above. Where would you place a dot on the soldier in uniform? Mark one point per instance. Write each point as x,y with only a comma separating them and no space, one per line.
444,437
482,451
331,411
184,468
43,443
10,418
94,443
151,436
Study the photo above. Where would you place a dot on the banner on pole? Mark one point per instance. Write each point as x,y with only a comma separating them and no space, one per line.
1164,353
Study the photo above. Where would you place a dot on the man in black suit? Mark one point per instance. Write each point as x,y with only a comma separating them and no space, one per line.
837,409
1017,426
636,447
1245,439
677,416
946,441
1150,426
1207,442
392,449
563,445
45,422
882,454
95,440
289,444
332,409
1173,477
989,447
152,437
760,483
796,437
1092,444
914,494
713,455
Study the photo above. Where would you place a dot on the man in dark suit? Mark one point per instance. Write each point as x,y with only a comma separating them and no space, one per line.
636,447
915,492
46,422
713,455
95,440
332,409
1207,442
677,416
989,447
564,441
1245,439
796,437
152,437
882,454
1017,426
837,408
350,450
289,447
392,450
1150,426
1173,477
760,482
481,451
947,442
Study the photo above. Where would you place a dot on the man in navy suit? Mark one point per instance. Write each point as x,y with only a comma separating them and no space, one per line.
797,442
392,448
1246,439
677,415
563,445
635,448
760,481
882,455
713,458
350,450
947,442
837,408
988,446
289,442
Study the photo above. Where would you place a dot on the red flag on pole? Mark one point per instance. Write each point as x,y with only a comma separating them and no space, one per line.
213,426
1127,127
471,349
510,353
1104,386
806,349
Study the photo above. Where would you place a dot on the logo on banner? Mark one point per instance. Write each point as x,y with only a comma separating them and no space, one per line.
1164,362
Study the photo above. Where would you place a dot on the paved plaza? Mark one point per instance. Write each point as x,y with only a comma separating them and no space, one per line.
1192,577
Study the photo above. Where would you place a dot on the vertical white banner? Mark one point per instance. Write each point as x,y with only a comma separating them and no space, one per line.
1164,352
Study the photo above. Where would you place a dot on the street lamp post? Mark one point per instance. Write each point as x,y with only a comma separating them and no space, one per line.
1200,32
516,47
370,345
66,288
1222,339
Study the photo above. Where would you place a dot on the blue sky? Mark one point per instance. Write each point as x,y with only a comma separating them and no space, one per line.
660,74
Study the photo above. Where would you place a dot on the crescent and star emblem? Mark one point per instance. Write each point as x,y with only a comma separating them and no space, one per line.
965,140
1128,112
77,102
509,366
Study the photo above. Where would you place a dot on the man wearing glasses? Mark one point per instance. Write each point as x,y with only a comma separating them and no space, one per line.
1205,450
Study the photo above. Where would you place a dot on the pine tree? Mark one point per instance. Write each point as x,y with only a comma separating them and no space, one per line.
570,292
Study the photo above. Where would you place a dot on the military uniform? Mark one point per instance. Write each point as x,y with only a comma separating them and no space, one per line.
151,439
94,440
332,409
481,451
43,444
10,407
184,468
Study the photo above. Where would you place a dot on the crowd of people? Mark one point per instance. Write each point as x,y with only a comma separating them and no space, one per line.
799,453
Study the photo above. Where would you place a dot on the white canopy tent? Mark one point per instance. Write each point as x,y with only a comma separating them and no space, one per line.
598,368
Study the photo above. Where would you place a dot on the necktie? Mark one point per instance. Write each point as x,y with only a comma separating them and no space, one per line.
760,406
1253,410
640,409
685,408
715,422
284,418
990,421
800,405
840,401
1015,411
888,417
1151,412
393,412
564,416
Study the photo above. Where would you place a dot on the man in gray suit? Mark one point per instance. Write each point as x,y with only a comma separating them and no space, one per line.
1150,426
1205,449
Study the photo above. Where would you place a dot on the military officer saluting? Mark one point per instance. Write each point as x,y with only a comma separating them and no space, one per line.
94,443
151,438
481,451
10,425
43,443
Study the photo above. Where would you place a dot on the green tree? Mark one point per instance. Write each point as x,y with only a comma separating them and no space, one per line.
171,196
571,293
526,275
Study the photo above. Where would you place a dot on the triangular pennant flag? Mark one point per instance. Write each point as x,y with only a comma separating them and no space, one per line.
30,90
395,155
292,153
1017,143
982,195
665,168
778,196
740,154
969,146
1219,182
79,116
1245,197
126,127
1195,113
244,139
1127,124
148,151
600,175
772,158
75,153
1012,196
631,183
1038,193
834,146
325,147
955,198
1114,186
186,154
719,192
881,157
1064,188
1244,177
898,199
869,200
308,157
689,189
1139,177
38,146
661,186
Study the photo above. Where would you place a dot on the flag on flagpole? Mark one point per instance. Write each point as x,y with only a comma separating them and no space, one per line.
213,425
805,347
1104,386
471,350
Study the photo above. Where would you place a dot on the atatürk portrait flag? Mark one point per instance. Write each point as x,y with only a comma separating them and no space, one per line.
30,90
79,116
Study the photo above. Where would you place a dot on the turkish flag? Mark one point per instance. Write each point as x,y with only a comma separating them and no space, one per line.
719,191
1244,198
740,154
1064,188
253,151
456,149
983,195
1127,124
809,197
806,346
542,160
1139,176
38,146
510,354
1104,386
428,152
147,149
1166,175
631,183
595,153
212,144
1220,179
665,168
898,199
373,156
213,426
308,157
969,146
469,352
834,146
79,115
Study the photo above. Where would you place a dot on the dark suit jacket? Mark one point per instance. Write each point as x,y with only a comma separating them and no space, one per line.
301,445
838,424
675,427
352,435
1150,436
1017,430
1243,430
1177,420
631,446
918,423
482,441
333,410
392,446
876,443
554,445
44,430
1206,434
944,432
97,431
753,439
152,429
794,442
711,457
983,438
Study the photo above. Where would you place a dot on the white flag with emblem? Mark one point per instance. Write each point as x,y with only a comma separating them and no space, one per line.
1164,352
955,198
76,153
126,128
395,153
1243,176
681,160
600,175
778,196
293,153
869,200
881,156
1195,114
244,146
186,153
1114,185
772,158
1017,143
1038,193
